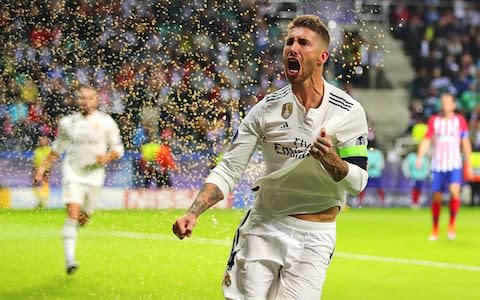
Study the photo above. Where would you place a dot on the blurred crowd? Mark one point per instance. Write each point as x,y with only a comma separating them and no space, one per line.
170,69
443,40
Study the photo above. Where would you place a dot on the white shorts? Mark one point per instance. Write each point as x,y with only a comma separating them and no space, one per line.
85,195
283,258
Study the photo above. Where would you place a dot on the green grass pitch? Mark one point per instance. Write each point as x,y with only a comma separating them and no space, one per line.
380,254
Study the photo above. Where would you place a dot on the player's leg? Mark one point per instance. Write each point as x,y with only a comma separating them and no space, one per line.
416,192
41,192
92,197
381,195
70,229
454,204
304,272
73,197
250,279
438,179
250,272
361,197
436,208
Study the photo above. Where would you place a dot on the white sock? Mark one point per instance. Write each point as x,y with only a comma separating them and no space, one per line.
70,239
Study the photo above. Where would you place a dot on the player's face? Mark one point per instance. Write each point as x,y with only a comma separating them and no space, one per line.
448,104
304,54
87,100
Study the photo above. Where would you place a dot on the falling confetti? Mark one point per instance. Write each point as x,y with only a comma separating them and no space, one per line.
192,68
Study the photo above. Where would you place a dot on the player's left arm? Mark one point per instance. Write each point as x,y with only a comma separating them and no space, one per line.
347,162
114,143
466,146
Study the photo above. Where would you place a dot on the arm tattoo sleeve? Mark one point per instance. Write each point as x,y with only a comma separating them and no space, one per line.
208,196
335,166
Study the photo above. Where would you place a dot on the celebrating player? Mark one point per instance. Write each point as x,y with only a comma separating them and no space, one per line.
90,139
313,136
449,133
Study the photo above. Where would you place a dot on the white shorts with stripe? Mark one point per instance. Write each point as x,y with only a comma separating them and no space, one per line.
283,258
85,195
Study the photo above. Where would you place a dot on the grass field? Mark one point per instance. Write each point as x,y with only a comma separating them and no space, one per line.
381,254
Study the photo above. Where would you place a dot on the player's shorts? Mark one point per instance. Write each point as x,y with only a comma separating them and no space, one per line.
374,183
87,196
283,258
418,184
442,180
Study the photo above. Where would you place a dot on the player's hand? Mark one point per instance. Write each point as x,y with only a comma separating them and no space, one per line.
183,226
322,145
469,173
38,177
102,159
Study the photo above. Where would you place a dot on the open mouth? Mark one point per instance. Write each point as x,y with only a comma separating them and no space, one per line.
293,66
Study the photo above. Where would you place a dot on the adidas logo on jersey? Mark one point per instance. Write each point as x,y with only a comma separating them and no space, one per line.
284,126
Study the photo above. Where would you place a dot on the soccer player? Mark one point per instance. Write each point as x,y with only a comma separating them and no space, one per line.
90,139
448,135
313,137
40,153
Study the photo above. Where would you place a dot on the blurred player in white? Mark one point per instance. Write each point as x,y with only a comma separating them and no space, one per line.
90,139
314,141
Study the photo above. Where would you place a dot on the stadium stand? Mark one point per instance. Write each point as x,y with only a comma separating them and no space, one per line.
178,67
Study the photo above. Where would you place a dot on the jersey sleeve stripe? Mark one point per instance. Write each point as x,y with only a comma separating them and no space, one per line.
339,105
340,99
358,150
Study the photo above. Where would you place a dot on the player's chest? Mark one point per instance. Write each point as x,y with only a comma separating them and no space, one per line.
292,124
86,130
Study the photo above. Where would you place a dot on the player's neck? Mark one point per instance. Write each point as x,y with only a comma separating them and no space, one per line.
448,115
309,92
87,113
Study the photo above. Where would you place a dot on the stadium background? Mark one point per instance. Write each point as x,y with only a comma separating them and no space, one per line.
185,75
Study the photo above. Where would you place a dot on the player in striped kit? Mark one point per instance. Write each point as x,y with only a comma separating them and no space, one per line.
314,142
448,135
90,139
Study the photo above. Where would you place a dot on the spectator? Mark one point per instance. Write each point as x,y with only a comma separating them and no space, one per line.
376,164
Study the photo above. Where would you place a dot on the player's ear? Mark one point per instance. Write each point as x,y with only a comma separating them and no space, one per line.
323,57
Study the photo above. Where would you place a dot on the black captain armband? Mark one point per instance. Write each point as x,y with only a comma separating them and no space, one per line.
360,161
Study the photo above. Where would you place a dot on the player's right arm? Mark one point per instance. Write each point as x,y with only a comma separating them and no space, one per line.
422,150
425,143
226,174
207,197
59,145
44,167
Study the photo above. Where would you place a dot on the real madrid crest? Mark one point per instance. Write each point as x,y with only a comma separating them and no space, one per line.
287,109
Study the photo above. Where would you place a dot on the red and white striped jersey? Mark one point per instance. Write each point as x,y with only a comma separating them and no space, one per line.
446,135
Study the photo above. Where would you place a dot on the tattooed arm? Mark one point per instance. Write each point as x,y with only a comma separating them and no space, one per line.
322,150
208,196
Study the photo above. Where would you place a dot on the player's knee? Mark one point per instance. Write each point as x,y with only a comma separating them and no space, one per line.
437,197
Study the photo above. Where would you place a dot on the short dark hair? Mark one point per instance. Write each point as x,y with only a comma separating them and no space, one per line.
313,23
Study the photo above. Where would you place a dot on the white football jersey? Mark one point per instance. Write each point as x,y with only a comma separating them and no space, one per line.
82,138
294,182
